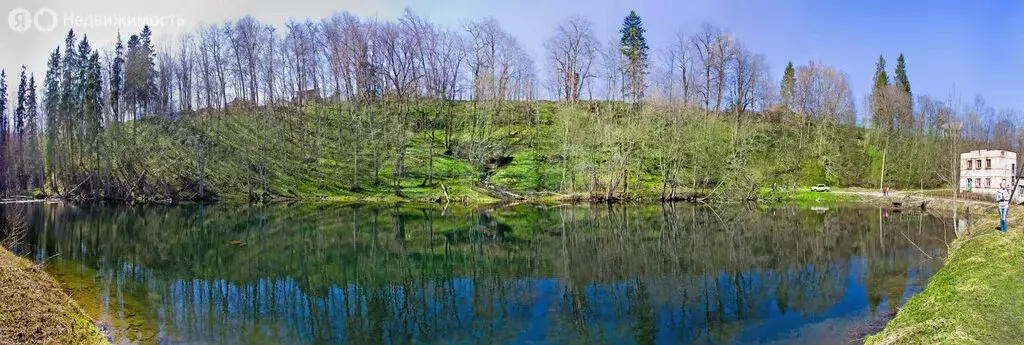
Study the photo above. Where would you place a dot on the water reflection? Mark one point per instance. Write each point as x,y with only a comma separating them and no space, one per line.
588,274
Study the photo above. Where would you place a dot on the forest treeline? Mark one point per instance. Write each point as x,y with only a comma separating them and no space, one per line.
347,106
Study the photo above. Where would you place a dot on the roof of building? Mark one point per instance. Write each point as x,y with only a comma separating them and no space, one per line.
989,153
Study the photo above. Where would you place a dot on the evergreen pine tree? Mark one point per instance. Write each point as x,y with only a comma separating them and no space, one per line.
901,75
31,108
52,105
93,101
633,47
18,156
19,110
70,99
880,116
881,78
788,87
117,79
148,64
82,87
32,134
904,103
133,76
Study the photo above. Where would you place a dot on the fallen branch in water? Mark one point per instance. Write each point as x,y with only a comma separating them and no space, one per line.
915,245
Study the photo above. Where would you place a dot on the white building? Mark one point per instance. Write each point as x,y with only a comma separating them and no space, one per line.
981,171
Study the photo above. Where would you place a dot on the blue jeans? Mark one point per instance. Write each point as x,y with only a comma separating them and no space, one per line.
1002,219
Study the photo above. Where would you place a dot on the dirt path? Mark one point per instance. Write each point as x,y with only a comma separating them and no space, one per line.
897,196
914,199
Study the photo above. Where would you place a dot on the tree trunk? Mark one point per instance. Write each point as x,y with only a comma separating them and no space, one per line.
355,152
881,180
430,169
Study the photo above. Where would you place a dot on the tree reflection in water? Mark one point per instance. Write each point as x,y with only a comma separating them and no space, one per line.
311,273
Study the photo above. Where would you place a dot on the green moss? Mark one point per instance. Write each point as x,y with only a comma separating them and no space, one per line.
528,171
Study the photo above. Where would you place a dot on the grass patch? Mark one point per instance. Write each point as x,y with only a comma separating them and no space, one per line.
976,298
805,196
34,309
528,172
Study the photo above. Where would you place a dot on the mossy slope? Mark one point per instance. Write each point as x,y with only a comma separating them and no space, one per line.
34,309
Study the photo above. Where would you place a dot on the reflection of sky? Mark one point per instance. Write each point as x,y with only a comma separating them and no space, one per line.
470,311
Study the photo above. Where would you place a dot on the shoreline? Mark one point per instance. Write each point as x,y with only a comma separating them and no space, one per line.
977,297
35,309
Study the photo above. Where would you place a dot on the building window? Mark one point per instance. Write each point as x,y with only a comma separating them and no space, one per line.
977,182
979,164
988,183
988,164
969,164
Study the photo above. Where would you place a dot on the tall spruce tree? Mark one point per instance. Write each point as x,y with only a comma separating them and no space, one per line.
133,76
881,77
32,134
19,109
70,100
92,103
901,75
82,87
633,47
904,102
880,116
788,88
147,56
53,106
18,156
140,73
117,79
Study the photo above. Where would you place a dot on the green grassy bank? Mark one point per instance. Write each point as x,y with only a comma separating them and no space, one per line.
479,153
976,298
35,310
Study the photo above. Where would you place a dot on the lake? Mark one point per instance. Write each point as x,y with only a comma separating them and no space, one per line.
589,274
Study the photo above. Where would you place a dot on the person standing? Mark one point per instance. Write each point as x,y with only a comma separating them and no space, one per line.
1003,198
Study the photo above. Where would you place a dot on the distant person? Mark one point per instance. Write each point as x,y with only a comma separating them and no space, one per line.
1003,198
885,191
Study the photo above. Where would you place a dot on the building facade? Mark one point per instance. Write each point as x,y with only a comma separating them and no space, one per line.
981,171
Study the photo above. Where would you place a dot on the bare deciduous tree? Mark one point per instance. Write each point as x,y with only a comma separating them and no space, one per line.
572,52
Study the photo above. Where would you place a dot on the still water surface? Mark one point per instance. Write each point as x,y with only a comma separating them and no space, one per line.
310,273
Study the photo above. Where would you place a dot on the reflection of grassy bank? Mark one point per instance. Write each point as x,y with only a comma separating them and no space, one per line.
85,285
977,298
805,197
33,309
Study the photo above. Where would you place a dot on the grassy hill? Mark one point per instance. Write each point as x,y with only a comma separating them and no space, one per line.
482,153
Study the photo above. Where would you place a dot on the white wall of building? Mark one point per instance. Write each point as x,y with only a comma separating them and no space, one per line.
981,171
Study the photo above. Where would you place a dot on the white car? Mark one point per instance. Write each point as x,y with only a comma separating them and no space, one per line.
821,188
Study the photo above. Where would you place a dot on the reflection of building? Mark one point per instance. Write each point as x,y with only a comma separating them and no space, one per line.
981,171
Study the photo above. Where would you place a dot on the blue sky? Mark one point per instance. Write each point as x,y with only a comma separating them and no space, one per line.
975,45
